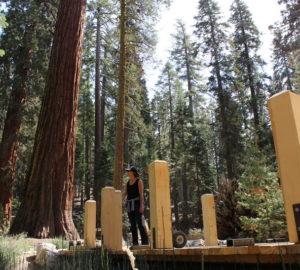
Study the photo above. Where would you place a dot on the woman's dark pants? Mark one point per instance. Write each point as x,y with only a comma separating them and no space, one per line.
135,218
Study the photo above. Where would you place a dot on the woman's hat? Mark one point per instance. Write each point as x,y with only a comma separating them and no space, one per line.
132,169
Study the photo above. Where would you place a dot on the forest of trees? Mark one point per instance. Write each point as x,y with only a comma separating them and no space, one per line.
73,73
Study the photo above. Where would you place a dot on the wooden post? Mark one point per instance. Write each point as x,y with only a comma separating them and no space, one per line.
90,224
160,205
284,109
116,216
111,218
209,220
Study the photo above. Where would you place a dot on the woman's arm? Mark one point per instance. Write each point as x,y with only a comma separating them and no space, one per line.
141,192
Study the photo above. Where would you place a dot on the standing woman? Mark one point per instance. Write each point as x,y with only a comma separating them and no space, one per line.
135,205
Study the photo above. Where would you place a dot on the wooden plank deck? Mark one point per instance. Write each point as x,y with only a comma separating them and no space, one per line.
260,253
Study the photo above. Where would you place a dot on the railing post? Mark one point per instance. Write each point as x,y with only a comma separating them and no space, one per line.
111,218
160,205
209,220
90,224
284,109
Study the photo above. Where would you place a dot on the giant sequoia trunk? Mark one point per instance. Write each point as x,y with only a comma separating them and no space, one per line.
46,210
12,126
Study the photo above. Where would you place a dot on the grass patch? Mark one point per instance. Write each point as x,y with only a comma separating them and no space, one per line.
11,250
60,243
98,259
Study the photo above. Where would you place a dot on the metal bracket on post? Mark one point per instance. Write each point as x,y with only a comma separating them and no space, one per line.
153,238
296,208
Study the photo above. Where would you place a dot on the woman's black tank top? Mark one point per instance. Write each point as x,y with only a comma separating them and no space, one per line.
133,190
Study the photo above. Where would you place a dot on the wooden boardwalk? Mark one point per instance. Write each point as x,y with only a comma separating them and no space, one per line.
260,253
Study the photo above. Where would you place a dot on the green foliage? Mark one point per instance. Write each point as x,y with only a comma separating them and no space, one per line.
283,64
183,54
60,243
2,218
183,139
290,23
296,64
95,259
249,77
3,24
11,250
286,46
260,198
212,33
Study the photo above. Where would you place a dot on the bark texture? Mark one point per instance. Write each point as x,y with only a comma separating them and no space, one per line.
119,146
46,210
9,143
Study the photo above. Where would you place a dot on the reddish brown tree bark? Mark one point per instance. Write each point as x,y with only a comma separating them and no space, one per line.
46,210
9,143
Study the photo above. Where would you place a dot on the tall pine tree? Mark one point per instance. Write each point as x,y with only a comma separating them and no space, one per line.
212,40
247,63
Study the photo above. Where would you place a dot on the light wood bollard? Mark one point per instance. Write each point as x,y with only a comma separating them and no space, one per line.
90,224
160,205
284,109
117,217
209,220
111,218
